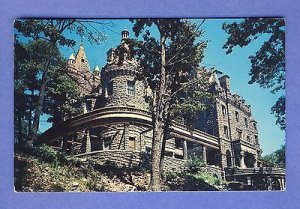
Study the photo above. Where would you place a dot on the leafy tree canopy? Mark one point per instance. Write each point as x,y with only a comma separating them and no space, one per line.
277,157
268,64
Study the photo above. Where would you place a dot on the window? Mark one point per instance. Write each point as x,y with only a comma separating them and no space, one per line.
226,134
178,143
106,144
223,110
131,87
131,143
246,122
248,139
82,60
239,134
110,88
256,139
237,117
88,105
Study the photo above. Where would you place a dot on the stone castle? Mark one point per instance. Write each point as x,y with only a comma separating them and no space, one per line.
116,125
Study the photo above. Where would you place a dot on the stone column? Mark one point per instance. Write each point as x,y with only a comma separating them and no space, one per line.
84,107
242,159
280,184
204,154
269,183
184,149
88,141
255,162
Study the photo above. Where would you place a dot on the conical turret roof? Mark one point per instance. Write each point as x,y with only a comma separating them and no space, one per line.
97,69
72,57
81,59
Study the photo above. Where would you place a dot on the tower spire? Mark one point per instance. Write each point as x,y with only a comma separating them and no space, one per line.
81,58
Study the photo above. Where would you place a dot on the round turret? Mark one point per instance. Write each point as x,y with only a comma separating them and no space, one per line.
119,84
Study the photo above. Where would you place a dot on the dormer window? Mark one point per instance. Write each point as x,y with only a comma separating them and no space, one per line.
82,60
131,88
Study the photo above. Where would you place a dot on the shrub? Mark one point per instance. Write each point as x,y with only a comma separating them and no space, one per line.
45,153
194,164
48,154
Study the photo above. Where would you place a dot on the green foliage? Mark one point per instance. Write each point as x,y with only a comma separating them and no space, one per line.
278,109
277,157
195,177
186,84
44,36
61,97
168,65
194,164
48,154
268,64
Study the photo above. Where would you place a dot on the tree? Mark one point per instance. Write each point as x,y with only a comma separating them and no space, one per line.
277,157
61,96
52,31
170,68
268,64
26,83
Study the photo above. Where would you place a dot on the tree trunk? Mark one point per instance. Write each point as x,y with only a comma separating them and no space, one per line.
30,114
155,183
162,154
20,137
155,157
40,102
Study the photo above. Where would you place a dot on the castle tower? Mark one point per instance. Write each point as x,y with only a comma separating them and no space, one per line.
118,78
81,61
71,60
79,70
120,89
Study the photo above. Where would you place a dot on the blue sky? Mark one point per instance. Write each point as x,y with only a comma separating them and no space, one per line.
236,65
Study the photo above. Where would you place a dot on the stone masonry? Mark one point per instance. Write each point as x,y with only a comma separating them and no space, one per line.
228,120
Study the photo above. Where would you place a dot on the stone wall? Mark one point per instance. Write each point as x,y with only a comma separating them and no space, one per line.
134,158
115,80
119,157
174,164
